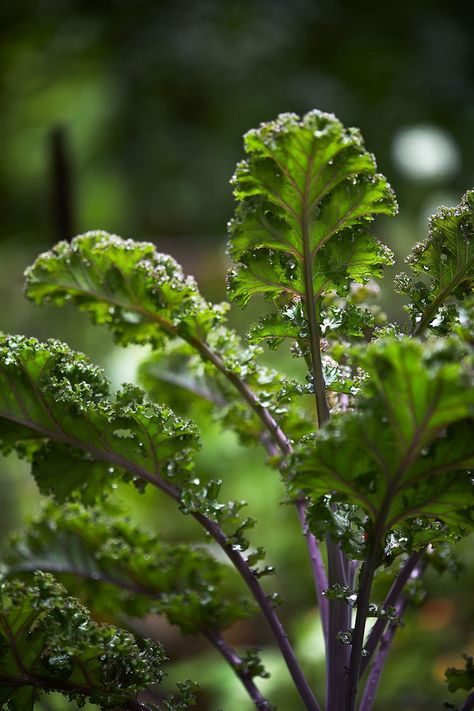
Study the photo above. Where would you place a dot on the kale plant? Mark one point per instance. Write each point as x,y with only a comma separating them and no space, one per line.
375,447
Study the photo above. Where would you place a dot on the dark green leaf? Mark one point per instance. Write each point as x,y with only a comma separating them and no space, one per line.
114,566
54,406
461,678
48,642
408,449
446,258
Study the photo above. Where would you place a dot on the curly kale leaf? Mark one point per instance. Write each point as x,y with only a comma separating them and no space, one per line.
114,566
48,642
143,296
408,449
446,259
306,193
55,409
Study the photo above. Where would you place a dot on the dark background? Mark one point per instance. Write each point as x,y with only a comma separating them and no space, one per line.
128,116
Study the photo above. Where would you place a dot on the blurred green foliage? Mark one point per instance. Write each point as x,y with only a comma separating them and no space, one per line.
149,100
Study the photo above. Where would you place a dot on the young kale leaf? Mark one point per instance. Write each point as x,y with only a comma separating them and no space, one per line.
407,449
446,259
48,642
306,192
115,566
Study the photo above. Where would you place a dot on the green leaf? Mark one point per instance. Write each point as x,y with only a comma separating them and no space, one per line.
48,642
457,679
144,297
141,295
192,386
54,407
179,378
346,523
114,566
408,449
446,259
306,192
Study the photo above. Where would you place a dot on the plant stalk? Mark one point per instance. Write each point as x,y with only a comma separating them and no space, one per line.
339,621
370,691
363,599
233,659
319,572
267,609
468,705
219,536
390,601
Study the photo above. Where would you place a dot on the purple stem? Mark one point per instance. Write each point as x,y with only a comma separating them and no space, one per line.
468,705
366,578
266,607
236,663
339,621
215,531
390,601
379,662
319,571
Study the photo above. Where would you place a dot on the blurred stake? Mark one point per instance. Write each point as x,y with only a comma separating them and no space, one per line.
61,185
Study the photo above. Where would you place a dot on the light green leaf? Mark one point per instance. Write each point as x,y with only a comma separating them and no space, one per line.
141,295
306,192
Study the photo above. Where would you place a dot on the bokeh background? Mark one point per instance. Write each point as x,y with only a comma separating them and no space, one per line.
128,116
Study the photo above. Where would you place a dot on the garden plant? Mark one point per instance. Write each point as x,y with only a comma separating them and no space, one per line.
374,447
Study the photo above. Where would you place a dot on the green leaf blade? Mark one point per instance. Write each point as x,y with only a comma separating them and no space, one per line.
55,406
306,193
406,451
115,566
58,647
445,263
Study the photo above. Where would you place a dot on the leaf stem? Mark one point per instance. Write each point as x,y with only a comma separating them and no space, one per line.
266,607
233,659
322,408
339,621
390,601
367,575
468,705
379,662
319,571
262,412
338,612
430,311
